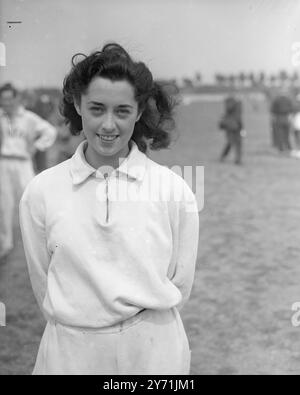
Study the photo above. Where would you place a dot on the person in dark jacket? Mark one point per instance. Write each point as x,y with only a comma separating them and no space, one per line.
281,110
231,123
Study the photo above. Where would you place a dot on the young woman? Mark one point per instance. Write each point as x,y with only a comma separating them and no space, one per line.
111,236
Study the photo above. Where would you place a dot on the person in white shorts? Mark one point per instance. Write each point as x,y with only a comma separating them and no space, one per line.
22,132
296,126
111,236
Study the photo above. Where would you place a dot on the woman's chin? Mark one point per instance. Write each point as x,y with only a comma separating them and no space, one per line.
107,148
110,148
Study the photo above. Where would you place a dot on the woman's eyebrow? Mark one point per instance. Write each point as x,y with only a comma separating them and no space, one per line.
125,106
96,103
101,104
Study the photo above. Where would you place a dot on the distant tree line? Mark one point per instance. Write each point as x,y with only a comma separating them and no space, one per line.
243,79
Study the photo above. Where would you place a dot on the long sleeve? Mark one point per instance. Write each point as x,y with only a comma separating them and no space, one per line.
46,132
186,236
34,240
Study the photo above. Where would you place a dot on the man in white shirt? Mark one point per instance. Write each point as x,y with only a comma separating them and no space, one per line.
21,133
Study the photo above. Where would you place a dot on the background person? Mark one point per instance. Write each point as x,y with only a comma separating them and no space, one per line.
281,110
22,133
296,126
231,123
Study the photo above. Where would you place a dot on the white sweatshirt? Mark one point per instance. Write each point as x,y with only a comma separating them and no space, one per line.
96,258
25,133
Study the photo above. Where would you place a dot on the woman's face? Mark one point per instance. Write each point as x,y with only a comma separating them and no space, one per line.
9,101
109,112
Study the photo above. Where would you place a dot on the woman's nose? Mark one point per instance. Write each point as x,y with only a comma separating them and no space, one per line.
109,122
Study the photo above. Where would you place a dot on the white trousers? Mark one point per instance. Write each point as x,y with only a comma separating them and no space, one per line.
151,343
15,174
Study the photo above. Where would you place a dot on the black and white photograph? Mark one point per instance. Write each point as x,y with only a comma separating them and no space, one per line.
149,189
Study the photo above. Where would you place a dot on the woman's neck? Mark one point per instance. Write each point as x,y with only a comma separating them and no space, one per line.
12,114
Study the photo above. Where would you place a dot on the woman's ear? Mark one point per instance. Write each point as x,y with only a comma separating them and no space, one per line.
139,116
77,107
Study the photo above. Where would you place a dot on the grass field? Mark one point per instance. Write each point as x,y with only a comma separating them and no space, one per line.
248,275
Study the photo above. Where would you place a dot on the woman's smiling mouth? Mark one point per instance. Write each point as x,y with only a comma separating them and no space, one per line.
108,139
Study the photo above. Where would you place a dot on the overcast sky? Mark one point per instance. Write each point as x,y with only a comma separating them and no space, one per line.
175,38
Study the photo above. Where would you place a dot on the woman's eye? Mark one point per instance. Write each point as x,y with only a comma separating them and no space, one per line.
97,110
122,112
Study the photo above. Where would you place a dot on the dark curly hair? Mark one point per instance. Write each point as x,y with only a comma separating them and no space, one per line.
8,87
154,99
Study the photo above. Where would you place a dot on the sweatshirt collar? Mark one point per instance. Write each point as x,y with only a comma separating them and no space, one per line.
133,166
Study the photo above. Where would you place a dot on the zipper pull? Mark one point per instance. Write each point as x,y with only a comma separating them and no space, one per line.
107,200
